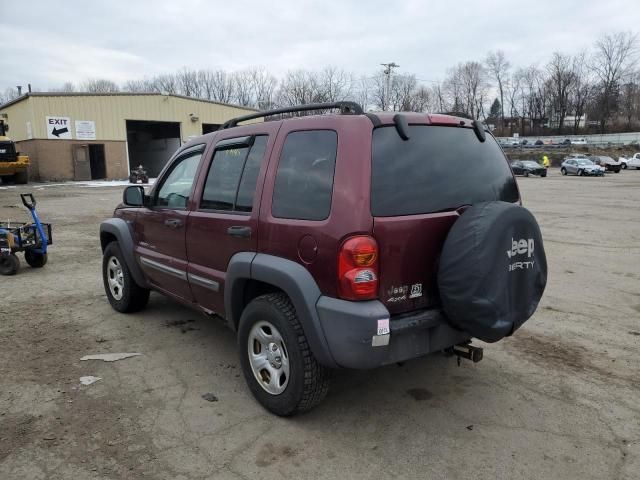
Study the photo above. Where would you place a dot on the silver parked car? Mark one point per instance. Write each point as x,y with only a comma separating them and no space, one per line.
575,165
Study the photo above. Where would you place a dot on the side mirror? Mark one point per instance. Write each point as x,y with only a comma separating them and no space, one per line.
133,196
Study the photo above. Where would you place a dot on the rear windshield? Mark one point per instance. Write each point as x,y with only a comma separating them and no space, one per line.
437,169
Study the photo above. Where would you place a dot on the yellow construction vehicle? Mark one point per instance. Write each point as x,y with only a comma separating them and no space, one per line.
13,166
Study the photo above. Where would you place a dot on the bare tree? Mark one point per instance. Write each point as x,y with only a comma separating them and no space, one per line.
334,84
379,91
139,86
222,87
439,97
401,91
67,87
8,95
188,84
299,87
99,85
453,87
474,88
630,100
166,83
614,59
243,87
264,86
561,80
581,90
498,67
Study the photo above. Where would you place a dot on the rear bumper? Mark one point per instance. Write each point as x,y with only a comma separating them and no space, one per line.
351,330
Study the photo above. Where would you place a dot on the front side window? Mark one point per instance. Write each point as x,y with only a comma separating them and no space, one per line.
232,177
176,186
304,181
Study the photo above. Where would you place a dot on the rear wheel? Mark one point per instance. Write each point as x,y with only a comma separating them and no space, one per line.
9,264
35,259
276,359
21,177
124,294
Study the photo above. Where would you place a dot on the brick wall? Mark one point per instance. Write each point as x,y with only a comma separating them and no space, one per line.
52,160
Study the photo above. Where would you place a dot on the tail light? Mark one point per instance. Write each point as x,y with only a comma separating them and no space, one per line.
358,269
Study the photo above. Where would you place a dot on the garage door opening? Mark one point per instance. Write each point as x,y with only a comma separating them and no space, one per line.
151,144
209,127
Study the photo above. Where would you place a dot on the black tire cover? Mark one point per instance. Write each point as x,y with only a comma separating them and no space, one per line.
493,270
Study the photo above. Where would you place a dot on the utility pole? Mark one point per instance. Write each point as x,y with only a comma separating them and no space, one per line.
388,70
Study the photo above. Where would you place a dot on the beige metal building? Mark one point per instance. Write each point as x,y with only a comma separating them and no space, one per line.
81,136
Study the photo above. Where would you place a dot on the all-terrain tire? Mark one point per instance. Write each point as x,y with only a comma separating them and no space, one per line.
35,259
9,265
132,297
308,381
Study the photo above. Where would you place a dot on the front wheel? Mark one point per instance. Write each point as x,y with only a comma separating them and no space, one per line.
276,359
124,294
9,264
526,173
35,259
624,166
580,173
563,171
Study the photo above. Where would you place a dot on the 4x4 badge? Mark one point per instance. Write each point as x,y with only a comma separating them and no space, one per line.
416,290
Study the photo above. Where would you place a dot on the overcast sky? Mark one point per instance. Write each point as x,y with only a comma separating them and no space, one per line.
47,43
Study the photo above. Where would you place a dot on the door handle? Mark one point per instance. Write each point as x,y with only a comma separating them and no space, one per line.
240,232
173,223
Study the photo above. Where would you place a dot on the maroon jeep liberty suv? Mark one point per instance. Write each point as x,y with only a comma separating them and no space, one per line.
344,240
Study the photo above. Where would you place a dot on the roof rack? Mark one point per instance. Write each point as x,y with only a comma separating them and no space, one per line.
346,108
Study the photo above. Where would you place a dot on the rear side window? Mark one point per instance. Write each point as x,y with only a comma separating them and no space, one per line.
437,169
304,181
232,177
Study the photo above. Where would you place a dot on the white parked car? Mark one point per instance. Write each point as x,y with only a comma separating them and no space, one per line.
631,162
578,141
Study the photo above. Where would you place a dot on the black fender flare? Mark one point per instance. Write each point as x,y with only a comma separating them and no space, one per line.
290,277
121,230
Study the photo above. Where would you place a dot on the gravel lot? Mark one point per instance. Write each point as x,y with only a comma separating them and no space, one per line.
560,399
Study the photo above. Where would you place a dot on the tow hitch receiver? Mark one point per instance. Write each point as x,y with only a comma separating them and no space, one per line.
469,352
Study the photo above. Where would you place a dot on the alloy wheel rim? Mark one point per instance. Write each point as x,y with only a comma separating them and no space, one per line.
115,278
268,357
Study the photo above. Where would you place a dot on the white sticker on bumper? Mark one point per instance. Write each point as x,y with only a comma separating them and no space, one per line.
381,339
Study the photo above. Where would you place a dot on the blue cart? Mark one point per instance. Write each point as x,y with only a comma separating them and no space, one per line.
30,238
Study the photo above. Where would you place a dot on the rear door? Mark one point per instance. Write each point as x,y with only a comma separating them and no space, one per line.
419,187
225,220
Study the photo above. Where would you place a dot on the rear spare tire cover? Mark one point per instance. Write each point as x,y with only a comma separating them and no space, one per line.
493,270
